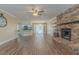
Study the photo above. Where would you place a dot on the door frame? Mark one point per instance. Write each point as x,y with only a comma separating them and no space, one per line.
45,27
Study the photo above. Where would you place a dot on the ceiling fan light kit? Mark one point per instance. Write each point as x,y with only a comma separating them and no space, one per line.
36,11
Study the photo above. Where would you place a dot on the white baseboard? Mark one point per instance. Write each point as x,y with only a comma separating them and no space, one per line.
1,43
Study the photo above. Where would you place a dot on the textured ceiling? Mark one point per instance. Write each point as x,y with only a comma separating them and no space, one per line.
19,10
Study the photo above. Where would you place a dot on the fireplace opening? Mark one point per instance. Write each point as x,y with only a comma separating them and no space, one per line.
66,33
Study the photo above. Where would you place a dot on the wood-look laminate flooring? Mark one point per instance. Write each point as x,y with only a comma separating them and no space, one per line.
36,45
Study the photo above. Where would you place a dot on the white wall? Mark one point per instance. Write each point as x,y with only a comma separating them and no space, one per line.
8,32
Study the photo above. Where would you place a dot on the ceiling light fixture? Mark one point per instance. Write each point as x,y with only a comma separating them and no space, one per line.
36,12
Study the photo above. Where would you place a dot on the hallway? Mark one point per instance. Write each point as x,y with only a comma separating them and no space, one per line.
37,43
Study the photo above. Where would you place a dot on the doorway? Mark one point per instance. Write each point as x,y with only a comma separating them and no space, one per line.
39,30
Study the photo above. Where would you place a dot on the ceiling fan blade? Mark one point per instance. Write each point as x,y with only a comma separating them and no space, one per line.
41,11
44,10
28,11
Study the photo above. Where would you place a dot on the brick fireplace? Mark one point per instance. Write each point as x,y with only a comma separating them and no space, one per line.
68,26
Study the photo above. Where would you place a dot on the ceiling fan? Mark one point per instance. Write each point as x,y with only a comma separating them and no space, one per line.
36,11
